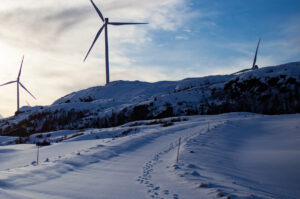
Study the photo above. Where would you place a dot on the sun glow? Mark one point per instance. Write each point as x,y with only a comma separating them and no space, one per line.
8,58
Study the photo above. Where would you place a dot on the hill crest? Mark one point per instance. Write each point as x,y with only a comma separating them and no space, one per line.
269,90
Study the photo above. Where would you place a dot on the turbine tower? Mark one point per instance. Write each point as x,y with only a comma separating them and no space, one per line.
104,26
18,85
254,66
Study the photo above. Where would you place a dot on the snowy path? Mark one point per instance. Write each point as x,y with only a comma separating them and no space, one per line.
108,170
233,158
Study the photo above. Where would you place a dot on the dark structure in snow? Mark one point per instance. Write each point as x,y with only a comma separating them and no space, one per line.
269,90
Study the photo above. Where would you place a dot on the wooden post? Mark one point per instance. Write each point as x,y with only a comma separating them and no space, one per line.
178,149
37,155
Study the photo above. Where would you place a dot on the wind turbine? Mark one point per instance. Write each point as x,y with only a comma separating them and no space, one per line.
254,66
104,26
19,84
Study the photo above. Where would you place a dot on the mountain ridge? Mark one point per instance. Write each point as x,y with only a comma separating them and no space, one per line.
268,90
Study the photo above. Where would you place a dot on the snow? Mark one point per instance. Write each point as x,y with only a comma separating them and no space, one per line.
120,91
258,156
4,140
241,155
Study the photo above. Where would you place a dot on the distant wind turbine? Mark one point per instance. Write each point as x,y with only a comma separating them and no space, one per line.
19,84
254,66
104,26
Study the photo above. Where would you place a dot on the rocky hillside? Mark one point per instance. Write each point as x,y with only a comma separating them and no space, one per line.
269,90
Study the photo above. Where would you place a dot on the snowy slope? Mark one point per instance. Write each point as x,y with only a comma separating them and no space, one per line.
269,90
120,91
237,155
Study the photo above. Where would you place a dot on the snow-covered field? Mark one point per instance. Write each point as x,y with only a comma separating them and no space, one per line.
235,155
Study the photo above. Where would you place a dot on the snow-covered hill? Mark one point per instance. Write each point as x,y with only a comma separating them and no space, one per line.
269,90
235,155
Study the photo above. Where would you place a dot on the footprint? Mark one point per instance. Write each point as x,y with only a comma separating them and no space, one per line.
195,173
192,166
166,192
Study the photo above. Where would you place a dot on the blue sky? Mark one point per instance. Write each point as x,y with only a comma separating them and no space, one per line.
226,36
184,38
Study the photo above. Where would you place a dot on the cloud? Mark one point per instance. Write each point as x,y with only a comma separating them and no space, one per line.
41,29
64,20
55,27
165,14
182,37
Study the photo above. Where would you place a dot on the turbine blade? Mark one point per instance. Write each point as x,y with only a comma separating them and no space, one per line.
97,36
26,90
21,68
98,11
8,83
255,57
124,23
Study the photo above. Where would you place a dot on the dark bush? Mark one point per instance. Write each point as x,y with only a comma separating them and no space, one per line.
39,136
44,143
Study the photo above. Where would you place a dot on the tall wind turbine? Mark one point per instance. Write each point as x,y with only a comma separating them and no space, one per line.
254,66
19,84
104,26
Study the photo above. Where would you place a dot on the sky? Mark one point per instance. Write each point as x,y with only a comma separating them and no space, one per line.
184,38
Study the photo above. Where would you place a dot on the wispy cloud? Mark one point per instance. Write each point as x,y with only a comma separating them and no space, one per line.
182,37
